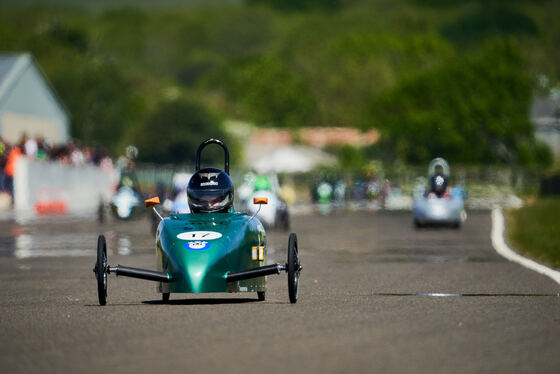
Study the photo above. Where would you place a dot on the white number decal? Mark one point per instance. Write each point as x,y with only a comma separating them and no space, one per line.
199,235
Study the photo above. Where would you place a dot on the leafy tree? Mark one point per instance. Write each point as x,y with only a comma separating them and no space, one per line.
173,132
488,21
70,36
296,63
348,69
270,93
472,110
100,102
299,4
350,159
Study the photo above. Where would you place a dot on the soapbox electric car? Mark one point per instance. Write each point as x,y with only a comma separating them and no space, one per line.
275,214
212,249
126,203
439,204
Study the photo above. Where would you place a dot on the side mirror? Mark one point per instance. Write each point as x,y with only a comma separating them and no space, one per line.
260,200
151,202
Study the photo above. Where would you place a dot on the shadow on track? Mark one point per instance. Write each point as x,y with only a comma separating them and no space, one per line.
202,301
198,301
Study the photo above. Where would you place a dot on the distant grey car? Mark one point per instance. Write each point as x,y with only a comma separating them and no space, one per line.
438,204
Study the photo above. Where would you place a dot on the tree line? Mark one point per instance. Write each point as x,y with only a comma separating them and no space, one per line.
445,78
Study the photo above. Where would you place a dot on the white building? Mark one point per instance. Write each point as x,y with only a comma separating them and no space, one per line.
28,103
545,114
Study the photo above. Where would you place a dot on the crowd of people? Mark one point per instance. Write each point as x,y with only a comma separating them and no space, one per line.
38,149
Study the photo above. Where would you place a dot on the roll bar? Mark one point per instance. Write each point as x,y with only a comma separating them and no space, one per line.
213,141
438,162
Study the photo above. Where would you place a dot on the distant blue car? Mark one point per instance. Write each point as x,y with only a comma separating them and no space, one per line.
438,204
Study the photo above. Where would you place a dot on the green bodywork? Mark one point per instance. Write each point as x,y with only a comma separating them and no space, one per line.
205,270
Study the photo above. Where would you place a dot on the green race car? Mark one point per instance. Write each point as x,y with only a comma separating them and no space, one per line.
211,249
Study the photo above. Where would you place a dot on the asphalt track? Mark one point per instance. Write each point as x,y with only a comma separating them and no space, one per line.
368,303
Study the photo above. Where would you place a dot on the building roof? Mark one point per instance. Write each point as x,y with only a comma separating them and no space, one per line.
7,62
545,107
11,67
545,113
285,151
285,159
317,137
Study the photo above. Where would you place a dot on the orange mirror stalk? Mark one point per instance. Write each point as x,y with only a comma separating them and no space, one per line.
260,200
151,202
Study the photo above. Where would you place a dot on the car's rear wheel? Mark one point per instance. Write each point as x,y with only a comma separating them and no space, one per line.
261,295
294,268
101,270
165,297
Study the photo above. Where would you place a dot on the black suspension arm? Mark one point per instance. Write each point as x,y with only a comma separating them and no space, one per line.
139,273
255,272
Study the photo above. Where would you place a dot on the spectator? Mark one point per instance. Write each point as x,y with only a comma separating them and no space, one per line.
31,148
10,168
3,160
43,149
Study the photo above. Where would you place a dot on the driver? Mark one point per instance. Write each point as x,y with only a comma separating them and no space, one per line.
438,183
210,190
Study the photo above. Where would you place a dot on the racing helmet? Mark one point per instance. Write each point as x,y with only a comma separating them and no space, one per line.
439,184
210,190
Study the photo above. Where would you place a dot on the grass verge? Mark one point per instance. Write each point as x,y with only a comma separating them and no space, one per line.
535,230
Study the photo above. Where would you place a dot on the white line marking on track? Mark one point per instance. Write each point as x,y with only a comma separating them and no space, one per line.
502,248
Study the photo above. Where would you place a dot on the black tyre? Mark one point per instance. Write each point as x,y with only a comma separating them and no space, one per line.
294,268
101,270
261,295
165,297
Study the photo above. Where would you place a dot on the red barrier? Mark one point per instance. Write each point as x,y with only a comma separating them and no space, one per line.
51,207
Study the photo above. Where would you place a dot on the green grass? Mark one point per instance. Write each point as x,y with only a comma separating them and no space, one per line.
535,230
